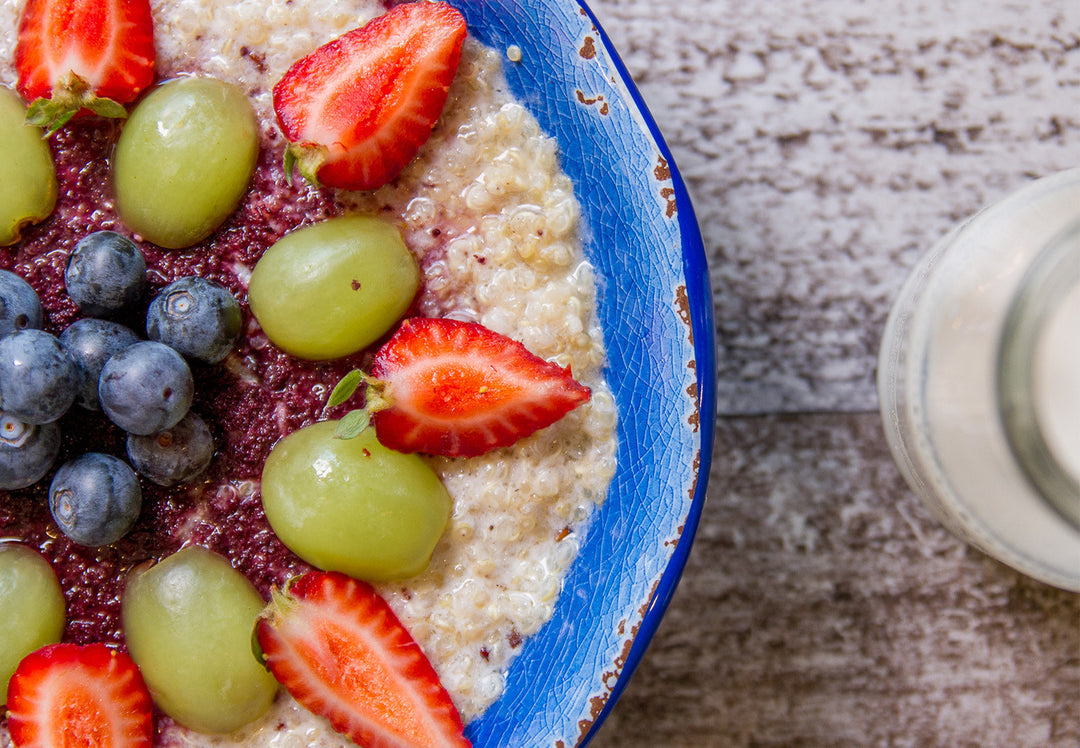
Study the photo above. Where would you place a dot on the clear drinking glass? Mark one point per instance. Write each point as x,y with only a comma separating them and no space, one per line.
979,380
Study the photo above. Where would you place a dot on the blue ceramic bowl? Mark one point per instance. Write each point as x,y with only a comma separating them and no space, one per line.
656,310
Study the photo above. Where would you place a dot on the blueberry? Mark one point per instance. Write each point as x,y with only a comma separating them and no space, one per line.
105,274
145,388
195,316
38,377
174,455
20,307
27,451
95,499
91,342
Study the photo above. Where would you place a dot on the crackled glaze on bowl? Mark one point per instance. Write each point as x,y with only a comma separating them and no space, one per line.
655,310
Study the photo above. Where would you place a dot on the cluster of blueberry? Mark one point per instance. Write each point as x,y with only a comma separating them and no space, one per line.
145,387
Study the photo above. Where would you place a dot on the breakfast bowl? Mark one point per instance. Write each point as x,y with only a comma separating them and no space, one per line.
544,212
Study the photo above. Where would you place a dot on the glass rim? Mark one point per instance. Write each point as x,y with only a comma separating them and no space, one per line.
1052,275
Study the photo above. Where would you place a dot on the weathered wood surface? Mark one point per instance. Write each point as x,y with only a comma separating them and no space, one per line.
827,143
822,606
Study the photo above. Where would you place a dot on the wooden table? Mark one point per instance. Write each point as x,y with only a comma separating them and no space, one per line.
828,143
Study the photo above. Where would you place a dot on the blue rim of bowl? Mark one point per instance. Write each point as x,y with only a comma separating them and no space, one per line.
544,32
699,291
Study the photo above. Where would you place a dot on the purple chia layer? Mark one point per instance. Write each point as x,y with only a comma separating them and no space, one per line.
250,401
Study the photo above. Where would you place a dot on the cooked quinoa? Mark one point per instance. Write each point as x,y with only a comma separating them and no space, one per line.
488,198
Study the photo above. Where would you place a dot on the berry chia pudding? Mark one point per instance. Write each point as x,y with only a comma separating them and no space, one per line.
493,224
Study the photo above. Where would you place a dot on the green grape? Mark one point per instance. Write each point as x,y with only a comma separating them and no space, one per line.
31,607
184,160
27,174
330,289
352,505
188,622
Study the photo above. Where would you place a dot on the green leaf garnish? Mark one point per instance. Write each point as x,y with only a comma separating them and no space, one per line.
345,388
375,399
103,107
290,163
70,94
49,115
354,422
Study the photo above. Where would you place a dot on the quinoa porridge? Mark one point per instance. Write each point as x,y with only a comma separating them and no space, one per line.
494,224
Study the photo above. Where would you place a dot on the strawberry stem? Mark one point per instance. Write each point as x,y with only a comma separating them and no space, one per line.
375,396
307,158
70,95
375,399
280,605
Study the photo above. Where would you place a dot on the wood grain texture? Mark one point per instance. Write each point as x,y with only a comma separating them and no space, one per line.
822,606
827,143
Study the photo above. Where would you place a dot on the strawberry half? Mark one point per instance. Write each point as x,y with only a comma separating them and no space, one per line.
83,55
67,694
458,389
338,648
358,109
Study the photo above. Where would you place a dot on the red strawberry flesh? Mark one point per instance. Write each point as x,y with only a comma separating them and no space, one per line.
108,43
371,97
338,648
67,694
459,389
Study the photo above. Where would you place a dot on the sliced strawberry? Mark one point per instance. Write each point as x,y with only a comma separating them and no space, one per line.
459,389
67,694
74,55
338,648
358,109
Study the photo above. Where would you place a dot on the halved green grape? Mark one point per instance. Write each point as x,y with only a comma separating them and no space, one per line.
352,505
330,289
27,173
188,622
184,160
32,610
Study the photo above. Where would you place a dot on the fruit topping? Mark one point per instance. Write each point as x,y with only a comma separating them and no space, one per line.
74,55
27,451
353,505
330,289
146,388
175,455
31,607
20,306
38,377
184,160
358,109
338,648
27,173
95,499
195,317
458,389
188,623
105,274
79,695
92,342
